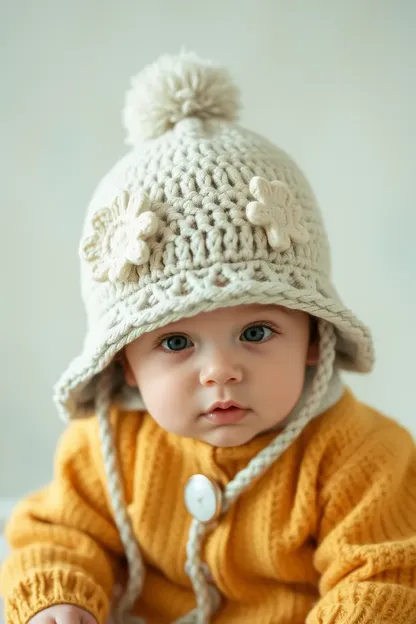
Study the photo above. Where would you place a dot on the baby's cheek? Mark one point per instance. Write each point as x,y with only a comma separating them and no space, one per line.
295,384
285,381
166,404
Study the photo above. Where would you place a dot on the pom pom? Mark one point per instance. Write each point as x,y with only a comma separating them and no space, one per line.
173,88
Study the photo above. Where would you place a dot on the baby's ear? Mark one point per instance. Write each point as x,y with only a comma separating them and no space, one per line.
127,370
313,354
313,349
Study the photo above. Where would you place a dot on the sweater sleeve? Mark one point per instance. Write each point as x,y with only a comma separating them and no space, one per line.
65,547
366,552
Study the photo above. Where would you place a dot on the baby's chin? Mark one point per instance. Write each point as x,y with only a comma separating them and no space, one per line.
221,436
226,436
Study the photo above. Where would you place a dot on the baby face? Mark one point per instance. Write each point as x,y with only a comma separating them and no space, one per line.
223,376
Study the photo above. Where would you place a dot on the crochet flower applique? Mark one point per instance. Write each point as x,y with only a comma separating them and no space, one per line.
118,244
278,212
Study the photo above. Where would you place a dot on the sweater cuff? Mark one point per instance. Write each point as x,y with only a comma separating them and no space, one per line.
40,590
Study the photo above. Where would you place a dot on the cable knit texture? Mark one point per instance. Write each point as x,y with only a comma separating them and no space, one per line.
326,536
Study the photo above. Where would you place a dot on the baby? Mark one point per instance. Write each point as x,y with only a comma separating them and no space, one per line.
215,468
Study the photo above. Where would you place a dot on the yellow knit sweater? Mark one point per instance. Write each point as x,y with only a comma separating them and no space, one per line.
327,535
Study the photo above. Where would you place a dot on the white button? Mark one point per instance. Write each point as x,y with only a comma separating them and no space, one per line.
203,498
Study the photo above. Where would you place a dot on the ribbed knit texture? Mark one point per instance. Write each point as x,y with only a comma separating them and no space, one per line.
327,535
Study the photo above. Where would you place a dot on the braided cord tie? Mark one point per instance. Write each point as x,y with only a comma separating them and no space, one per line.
136,567
256,468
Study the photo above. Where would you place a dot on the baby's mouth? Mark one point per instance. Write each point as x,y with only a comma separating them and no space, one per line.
226,416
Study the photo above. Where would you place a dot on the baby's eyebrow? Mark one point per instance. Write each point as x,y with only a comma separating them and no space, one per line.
271,308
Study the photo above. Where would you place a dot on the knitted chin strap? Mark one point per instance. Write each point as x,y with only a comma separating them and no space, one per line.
207,597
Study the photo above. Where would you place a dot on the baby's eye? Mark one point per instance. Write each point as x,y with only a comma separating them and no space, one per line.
176,343
256,333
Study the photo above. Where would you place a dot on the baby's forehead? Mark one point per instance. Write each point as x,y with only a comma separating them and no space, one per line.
234,314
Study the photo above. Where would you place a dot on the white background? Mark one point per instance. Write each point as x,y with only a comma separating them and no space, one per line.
331,82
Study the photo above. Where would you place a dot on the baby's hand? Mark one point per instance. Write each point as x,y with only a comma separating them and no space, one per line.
63,614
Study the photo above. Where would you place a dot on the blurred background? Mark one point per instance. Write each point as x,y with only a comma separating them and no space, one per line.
331,82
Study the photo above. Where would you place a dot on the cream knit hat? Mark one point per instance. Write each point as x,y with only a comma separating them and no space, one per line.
201,214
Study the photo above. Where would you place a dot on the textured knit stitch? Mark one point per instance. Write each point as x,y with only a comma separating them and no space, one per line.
327,536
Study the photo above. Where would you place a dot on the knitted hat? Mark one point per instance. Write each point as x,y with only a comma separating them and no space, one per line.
201,214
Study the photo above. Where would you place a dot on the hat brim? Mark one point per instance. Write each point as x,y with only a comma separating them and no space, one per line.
127,320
